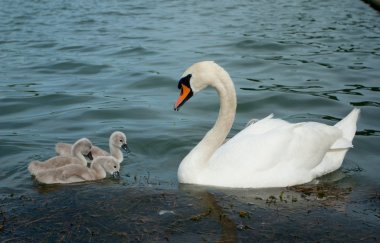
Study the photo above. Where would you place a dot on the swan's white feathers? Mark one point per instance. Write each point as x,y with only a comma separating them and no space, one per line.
335,156
291,148
348,124
269,152
341,143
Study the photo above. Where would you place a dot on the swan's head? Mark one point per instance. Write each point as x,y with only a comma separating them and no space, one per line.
82,146
196,78
111,166
119,140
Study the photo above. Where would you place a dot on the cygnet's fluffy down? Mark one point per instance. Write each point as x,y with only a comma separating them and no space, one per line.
77,173
81,148
117,141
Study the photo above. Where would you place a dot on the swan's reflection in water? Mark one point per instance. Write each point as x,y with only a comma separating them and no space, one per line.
107,210
245,214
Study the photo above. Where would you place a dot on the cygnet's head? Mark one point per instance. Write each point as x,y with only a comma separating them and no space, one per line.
119,140
111,166
82,146
196,78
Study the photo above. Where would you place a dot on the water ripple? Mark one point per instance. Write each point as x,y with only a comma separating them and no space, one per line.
71,67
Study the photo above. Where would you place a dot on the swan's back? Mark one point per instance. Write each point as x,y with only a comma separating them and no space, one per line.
116,140
67,174
36,166
274,153
77,173
63,149
80,147
97,152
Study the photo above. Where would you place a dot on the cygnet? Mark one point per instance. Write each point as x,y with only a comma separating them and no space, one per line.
117,141
81,148
77,173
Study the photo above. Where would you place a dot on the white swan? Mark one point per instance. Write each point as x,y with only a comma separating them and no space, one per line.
117,141
77,173
81,148
267,153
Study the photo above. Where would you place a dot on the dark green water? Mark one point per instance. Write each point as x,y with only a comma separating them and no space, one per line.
71,69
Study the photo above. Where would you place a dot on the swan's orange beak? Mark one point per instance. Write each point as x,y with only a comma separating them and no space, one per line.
185,94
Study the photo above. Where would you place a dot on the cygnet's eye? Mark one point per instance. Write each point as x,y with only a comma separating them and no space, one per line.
114,166
121,140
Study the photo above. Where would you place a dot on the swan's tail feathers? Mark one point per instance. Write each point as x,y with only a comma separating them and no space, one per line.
32,167
348,124
335,156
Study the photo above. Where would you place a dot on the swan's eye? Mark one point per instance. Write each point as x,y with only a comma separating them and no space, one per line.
114,166
185,80
121,140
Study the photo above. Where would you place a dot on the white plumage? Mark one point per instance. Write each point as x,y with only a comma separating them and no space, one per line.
269,152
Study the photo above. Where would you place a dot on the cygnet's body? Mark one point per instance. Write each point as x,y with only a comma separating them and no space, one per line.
117,141
77,173
81,148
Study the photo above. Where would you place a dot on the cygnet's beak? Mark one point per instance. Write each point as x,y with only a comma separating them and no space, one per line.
126,148
116,175
89,155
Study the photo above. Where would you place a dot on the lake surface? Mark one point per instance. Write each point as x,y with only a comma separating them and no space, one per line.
72,69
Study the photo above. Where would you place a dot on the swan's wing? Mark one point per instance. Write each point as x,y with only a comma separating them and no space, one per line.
260,141
255,127
50,176
75,173
63,149
59,161
52,163
96,152
46,177
277,149
254,120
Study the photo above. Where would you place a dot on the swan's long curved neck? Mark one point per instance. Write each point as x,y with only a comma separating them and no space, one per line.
217,134
116,152
215,137
80,156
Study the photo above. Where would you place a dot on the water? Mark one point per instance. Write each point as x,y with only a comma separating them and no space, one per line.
72,69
